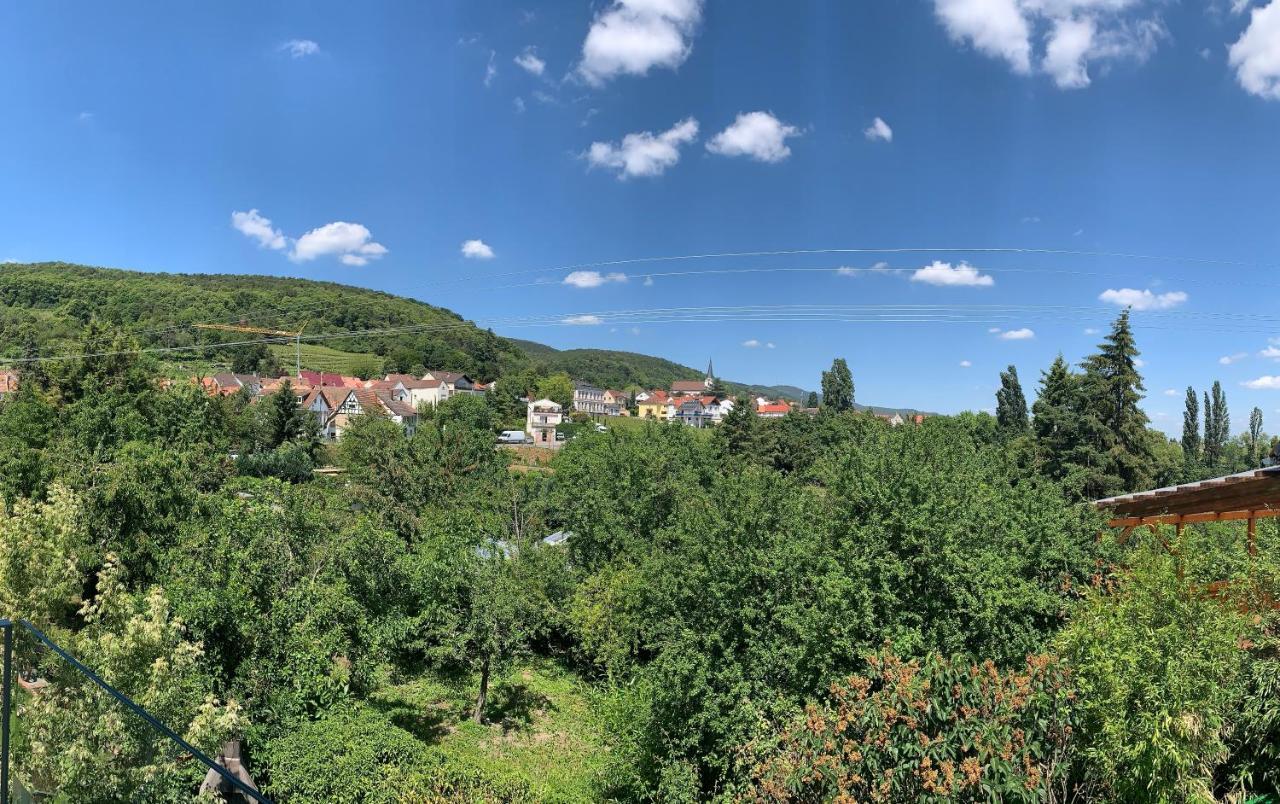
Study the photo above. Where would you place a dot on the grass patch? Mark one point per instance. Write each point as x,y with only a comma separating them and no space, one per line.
543,730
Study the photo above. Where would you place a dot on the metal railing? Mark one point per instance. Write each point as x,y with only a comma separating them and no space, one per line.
6,702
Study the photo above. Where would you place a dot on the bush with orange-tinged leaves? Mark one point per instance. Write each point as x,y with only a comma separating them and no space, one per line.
932,729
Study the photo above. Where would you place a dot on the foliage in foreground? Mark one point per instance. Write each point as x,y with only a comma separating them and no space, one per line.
932,730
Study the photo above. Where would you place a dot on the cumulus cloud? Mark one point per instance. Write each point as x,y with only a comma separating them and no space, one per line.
1256,54
253,225
757,135
965,364
299,48
944,273
351,243
751,343
1266,382
592,279
631,37
1077,34
1227,360
582,320
643,153
1272,352
878,268
529,62
879,130
476,250
1143,299
1170,392
1023,334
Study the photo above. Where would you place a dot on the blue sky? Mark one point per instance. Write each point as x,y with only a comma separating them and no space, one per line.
374,140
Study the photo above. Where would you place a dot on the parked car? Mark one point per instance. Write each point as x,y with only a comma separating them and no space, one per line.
559,436
513,437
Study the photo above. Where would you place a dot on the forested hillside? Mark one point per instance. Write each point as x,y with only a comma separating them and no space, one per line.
46,307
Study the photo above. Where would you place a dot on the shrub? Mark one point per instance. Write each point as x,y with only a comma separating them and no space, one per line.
289,462
935,729
359,755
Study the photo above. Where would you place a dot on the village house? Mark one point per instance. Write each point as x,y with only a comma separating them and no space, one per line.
772,410
541,420
588,399
695,387
615,403
455,383
8,383
656,405
344,405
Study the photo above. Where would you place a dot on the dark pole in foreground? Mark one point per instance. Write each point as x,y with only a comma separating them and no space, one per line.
5,703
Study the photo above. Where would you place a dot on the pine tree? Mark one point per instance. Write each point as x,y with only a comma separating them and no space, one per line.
1011,404
813,400
285,419
1117,427
1057,420
740,434
1191,428
837,386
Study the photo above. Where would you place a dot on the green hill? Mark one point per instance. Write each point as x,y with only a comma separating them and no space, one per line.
46,306
614,369
49,304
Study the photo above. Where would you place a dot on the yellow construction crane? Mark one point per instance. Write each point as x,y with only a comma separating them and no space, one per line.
297,336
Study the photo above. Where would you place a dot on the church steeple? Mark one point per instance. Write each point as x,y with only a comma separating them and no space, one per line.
711,375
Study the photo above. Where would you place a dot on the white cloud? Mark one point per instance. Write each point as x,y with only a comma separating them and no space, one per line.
993,330
1266,382
643,153
1031,219
476,250
1077,34
943,273
1143,299
1227,360
582,320
85,117
751,343
490,69
253,224
1092,331
770,345
758,135
1023,334
878,268
635,330
519,104
1256,54
1272,352
349,242
529,62
1139,362
965,364
879,130
299,48
592,279
648,281
631,37
1170,392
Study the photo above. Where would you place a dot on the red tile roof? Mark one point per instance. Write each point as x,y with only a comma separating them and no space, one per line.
774,407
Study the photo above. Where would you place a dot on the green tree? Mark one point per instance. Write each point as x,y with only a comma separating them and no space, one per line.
1057,423
813,400
1191,428
558,388
1216,427
1117,427
741,434
284,419
837,386
1011,404
1255,436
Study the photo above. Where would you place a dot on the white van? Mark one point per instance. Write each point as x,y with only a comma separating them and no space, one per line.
513,437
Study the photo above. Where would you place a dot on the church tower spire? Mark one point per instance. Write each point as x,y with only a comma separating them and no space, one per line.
711,375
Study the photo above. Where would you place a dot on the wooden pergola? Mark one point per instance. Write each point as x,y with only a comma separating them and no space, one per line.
1247,496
